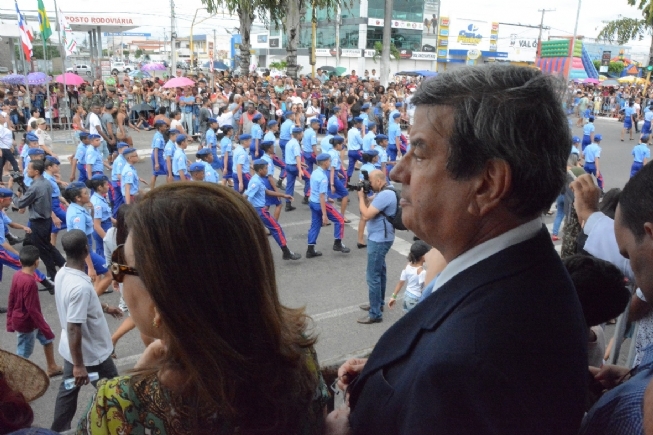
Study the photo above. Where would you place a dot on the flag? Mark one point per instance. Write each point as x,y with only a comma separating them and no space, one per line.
26,36
44,23
67,38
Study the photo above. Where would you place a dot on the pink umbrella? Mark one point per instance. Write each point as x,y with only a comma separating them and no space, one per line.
179,82
71,79
592,81
153,67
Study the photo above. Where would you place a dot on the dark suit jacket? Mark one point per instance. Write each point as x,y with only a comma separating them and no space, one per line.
499,349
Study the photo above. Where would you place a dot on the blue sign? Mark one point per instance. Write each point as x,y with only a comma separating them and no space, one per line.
127,34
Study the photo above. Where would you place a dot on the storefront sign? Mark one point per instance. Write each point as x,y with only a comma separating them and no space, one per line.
468,34
112,20
520,43
274,42
396,24
423,55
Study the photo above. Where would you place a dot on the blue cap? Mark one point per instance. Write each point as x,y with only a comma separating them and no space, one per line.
297,130
35,151
260,162
380,137
357,119
316,119
266,143
257,117
180,138
31,137
365,106
122,145
398,104
244,136
591,119
335,109
94,136
83,135
159,122
204,152
173,131
212,120
288,113
76,185
322,157
645,138
53,160
197,166
372,153
226,127
597,137
100,177
129,151
371,124
338,139
396,115
272,122
575,139
6,193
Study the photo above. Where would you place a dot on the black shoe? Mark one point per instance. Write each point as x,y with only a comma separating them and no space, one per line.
361,245
338,246
367,320
292,256
366,307
48,285
14,240
290,207
279,183
305,200
3,310
311,252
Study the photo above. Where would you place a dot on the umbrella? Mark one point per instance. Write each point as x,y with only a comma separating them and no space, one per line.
610,82
71,79
408,73
328,68
153,67
179,82
426,73
220,66
340,70
143,107
602,77
13,79
592,81
139,74
38,78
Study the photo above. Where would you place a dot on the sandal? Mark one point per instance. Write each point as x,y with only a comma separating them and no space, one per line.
55,373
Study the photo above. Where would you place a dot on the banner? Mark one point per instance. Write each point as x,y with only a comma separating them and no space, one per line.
466,34
519,42
67,38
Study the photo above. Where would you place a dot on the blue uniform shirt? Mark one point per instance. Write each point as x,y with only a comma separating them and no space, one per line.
101,208
383,156
211,138
129,176
309,139
366,118
628,111
78,218
270,162
94,158
292,152
333,120
56,192
641,152
256,132
210,175
28,180
592,152
158,141
256,191
319,184
575,150
588,129
225,145
80,154
369,141
269,137
241,157
179,162
369,167
355,141
394,131
118,164
169,150
335,159
392,120
324,143
285,131
648,116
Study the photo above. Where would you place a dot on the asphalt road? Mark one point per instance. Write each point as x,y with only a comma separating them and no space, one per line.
330,287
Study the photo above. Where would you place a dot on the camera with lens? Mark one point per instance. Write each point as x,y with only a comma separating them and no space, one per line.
364,185
19,179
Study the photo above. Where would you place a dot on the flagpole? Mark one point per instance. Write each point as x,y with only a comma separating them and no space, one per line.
27,103
47,85
62,49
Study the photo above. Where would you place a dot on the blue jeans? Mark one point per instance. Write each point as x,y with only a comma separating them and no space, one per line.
26,340
560,214
376,275
187,118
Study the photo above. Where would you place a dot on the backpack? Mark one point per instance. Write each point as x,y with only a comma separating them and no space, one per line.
395,220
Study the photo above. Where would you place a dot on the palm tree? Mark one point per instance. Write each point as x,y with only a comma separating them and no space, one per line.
625,29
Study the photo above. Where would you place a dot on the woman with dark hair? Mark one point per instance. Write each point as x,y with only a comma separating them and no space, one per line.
230,358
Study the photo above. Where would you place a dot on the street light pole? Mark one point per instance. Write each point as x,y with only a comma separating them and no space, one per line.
573,41
539,38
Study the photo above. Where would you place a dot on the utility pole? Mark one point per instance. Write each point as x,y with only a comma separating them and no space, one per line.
573,41
212,60
539,38
173,61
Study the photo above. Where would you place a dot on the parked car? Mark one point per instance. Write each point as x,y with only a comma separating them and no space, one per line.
80,69
4,70
120,67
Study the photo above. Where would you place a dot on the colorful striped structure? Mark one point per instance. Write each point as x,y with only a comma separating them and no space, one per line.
554,58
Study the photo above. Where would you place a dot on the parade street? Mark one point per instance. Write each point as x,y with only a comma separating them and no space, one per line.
331,287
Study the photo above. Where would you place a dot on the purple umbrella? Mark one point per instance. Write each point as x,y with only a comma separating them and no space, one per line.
37,78
153,67
14,79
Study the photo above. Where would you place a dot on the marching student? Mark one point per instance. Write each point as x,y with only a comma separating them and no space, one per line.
641,154
114,186
321,211
380,147
629,113
337,175
257,136
169,152
227,154
588,133
592,156
241,165
179,160
158,145
309,146
268,155
354,146
206,159
325,143
94,163
394,139
368,139
78,162
285,133
129,177
273,127
196,171
32,154
293,160
102,214
211,138
369,159
58,213
256,192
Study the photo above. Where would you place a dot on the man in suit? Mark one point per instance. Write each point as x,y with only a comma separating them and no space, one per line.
499,346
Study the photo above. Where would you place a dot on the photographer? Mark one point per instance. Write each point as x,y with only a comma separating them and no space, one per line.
380,236
6,146
39,200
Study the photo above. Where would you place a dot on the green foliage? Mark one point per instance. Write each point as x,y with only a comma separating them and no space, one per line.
597,64
125,52
138,53
616,67
378,48
52,51
623,30
280,65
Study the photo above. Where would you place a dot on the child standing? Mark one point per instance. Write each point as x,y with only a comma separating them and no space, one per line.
413,276
641,154
24,312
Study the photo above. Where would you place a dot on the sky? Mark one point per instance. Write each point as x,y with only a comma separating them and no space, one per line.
592,15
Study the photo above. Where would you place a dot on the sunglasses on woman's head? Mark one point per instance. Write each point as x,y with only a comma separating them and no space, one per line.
118,270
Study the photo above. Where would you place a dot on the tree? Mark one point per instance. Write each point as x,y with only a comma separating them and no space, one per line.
624,29
378,52
387,34
138,53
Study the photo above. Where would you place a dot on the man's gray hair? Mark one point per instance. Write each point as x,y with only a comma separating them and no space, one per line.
509,113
